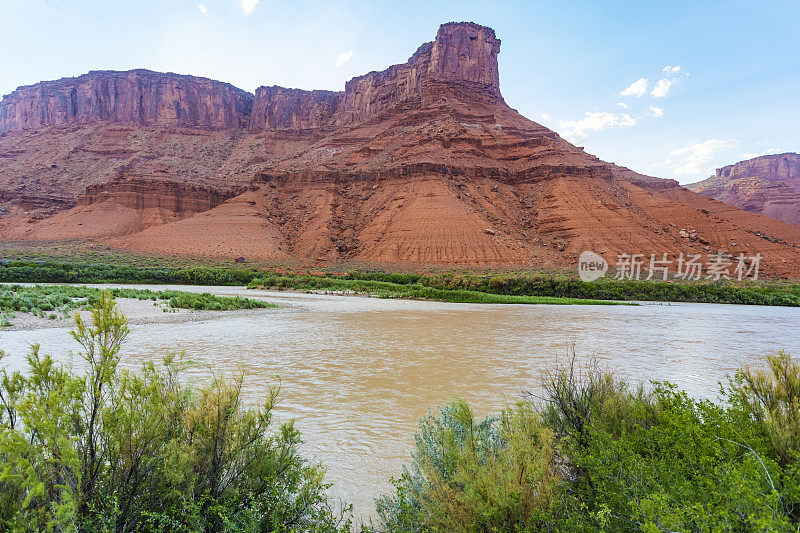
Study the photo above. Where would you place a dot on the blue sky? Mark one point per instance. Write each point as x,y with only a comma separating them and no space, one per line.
572,66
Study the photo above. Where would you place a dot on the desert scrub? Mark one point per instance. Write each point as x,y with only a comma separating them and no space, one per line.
551,284
206,301
117,450
593,453
495,474
62,299
414,291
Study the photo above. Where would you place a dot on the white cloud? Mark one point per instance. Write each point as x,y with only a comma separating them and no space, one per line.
662,87
637,88
202,8
695,159
657,111
623,105
578,130
248,6
343,58
545,116
670,70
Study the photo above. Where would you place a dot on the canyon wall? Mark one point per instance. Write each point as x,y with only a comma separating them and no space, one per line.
142,192
785,167
463,54
769,185
278,108
140,97
466,52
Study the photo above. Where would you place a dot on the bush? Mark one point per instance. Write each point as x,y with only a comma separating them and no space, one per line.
113,450
772,399
491,475
605,456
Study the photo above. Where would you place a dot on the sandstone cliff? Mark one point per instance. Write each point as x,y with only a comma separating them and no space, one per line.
140,97
278,108
463,55
422,163
783,167
769,185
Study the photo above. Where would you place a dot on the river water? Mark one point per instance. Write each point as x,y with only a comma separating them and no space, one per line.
357,373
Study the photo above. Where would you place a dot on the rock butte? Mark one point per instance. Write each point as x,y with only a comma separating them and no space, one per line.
769,185
419,164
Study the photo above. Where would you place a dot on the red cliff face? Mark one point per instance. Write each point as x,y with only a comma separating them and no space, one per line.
421,163
769,185
463,55
277,108
138,97
784,167
466,52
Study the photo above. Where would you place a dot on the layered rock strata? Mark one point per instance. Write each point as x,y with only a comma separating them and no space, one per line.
140,97
769,185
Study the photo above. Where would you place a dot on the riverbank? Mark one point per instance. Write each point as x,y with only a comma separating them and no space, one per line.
357,373
40,306
454,286
416,291
138,312
589,450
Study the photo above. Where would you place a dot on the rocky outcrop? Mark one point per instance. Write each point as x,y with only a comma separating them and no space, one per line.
782,167
463,56
466,52
277,108
140,97
769,185
421,163
150,192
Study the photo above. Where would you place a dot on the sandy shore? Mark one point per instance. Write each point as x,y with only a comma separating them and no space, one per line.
137,312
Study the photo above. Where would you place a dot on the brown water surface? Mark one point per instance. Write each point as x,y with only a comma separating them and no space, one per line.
358,373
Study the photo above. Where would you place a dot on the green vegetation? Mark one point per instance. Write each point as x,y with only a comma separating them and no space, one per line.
113,450
48,272
62,299
562,286
462,286
412,291
116,450
598,455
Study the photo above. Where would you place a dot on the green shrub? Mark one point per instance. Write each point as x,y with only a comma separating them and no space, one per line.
492,475
772,399
477,286
113,450
605,456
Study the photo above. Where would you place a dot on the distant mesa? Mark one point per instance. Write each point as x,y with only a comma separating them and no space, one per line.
463,53
768,185
420,164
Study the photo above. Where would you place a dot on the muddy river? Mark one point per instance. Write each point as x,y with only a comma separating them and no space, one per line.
357,373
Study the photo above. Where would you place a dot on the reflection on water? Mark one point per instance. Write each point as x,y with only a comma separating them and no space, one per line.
358,373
